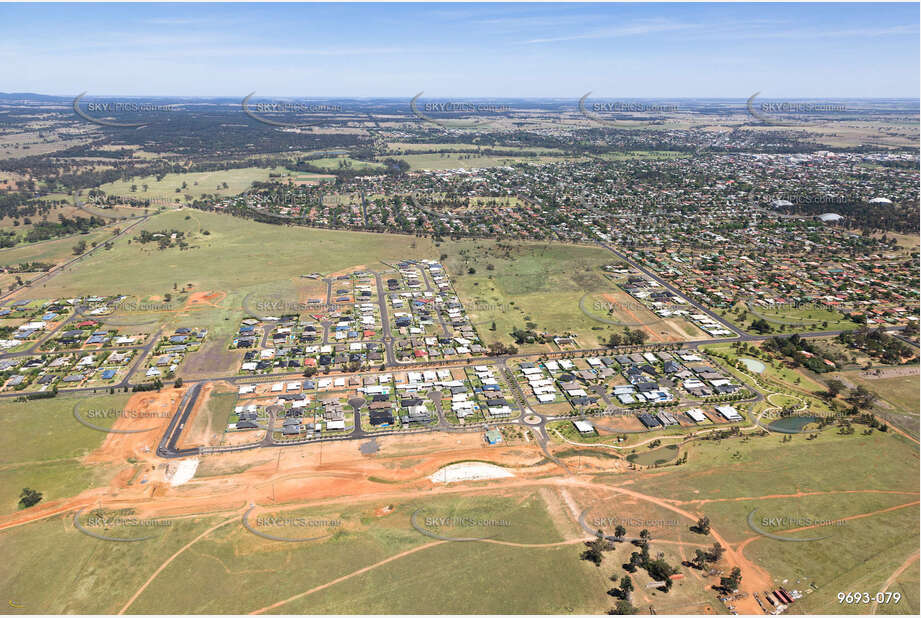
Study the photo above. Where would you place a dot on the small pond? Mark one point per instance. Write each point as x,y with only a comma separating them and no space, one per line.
752,364
792,424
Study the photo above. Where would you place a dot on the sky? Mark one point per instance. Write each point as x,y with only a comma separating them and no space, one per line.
463,50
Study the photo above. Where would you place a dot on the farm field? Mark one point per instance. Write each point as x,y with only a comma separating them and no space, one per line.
363,538
338,162
56,250
407,147
235,255
901,392
43,446
446,161
197,184
726,480
539,284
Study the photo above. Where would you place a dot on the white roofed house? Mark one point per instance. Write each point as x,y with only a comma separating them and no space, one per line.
729,413
584,427
697,415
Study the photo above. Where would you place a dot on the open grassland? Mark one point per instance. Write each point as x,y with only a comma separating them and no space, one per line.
868,484
340,162
900,391
404,147
238,572
236,254
56,250
759,466
55,569
533,283
907,583
470,578
208,425
19,145
197,184
43,443
788,318
450,160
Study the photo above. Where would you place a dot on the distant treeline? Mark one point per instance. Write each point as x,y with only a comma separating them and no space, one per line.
46,230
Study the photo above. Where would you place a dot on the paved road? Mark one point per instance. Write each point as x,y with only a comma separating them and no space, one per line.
389,357
668,286
168,449
44,277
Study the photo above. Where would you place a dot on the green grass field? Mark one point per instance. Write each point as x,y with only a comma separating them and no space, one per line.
197,183
733,477
242,572
453,160
56,250
900,391
531,282
790,319
236,255
335,163
42,446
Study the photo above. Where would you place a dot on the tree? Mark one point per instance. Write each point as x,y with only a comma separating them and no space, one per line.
835,387
29,497
596,548
626,585
700,558
622,608
178,383
702,526
619,532
716,553
661,571
731,583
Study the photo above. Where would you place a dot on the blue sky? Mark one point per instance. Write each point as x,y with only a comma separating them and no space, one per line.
463,50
